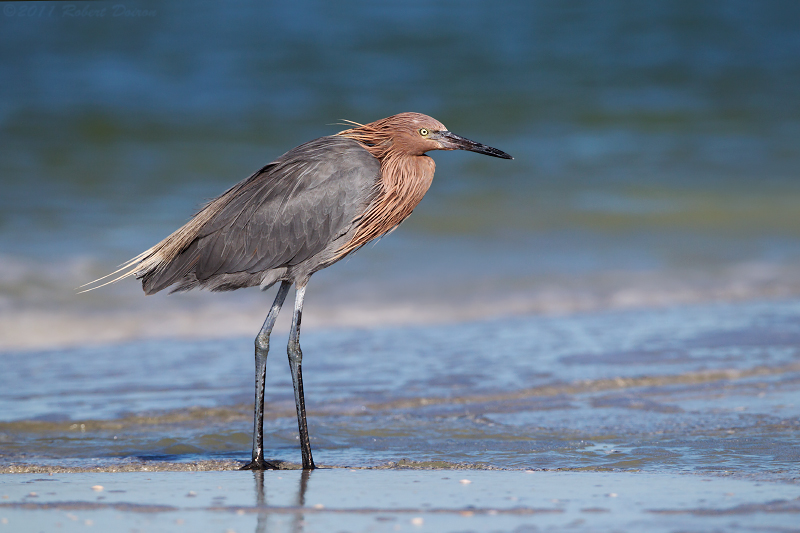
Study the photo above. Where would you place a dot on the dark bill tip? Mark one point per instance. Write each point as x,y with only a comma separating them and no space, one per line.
451,141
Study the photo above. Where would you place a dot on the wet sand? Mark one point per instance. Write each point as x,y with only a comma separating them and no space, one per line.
394,500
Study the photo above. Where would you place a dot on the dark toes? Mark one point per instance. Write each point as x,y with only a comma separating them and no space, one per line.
259,464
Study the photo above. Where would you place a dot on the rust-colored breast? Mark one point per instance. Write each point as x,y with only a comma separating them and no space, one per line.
404,181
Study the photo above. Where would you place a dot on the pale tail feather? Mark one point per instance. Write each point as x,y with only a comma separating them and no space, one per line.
128,269
159,256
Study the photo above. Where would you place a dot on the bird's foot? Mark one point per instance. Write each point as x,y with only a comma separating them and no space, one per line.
260,464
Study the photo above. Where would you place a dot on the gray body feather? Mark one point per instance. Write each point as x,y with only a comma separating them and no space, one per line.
284,222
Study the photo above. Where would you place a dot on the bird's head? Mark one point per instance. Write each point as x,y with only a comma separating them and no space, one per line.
415,134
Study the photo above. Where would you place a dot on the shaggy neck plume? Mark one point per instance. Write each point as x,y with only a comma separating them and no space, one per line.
405,179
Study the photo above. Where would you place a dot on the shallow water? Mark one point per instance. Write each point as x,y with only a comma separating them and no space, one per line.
712,387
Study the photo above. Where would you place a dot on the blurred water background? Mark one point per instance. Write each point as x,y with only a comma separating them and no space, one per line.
655,174
656,154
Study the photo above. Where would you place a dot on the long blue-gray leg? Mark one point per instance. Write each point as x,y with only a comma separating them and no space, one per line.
262,348
295,363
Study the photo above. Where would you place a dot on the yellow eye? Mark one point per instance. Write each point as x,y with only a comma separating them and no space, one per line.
423,132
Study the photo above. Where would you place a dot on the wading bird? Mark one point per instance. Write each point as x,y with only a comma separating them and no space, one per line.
306,210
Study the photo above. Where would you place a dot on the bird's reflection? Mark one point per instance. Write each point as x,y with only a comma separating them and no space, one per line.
297,523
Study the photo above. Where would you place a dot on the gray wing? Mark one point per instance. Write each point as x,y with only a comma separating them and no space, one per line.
283,215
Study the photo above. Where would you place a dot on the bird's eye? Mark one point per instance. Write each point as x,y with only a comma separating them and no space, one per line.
423,132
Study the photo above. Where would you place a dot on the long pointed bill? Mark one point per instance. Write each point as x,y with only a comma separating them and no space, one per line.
451,141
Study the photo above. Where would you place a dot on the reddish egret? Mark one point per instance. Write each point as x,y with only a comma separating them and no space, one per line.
299,214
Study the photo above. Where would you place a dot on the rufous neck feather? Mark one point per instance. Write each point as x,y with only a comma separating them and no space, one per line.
404,181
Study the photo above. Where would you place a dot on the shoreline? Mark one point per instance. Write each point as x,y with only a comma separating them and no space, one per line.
203,318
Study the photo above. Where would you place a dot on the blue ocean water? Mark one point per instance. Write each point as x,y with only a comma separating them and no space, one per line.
655,147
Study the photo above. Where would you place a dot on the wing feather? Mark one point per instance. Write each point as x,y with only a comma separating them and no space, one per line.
286,213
